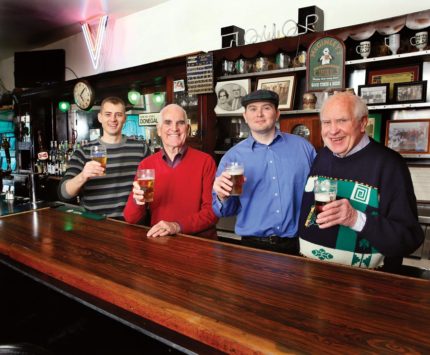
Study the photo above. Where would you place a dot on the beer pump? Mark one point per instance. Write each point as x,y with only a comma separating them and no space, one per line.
6,146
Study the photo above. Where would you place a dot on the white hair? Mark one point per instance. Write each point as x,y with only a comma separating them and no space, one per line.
161,116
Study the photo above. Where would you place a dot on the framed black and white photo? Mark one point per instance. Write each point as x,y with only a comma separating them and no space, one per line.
374,94
284,86
415,91
229,96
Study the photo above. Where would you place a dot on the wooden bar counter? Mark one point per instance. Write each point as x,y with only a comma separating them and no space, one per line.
206,296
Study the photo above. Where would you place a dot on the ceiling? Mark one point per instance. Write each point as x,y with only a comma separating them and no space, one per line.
29,24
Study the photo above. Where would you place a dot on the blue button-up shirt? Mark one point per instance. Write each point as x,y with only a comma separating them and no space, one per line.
272,194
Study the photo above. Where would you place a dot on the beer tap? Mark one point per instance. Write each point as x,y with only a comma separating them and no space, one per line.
6,146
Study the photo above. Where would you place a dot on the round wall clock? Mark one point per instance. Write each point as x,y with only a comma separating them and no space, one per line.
84,94
302,130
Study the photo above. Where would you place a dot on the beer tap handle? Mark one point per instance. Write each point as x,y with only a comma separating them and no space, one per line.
6,147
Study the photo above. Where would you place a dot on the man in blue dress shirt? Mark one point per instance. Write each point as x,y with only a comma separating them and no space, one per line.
276,165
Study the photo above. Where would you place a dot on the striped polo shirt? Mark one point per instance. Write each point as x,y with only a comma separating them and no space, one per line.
107,195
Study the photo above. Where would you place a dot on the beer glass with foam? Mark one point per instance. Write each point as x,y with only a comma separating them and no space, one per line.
236,170
99,154
146,180
325,191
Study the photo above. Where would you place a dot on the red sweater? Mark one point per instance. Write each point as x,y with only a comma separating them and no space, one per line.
182,194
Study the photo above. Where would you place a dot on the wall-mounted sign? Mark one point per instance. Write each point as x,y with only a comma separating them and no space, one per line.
311,19
148,119
200,78
325,64
95,41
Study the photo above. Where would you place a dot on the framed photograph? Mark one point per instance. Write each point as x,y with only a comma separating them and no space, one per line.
284,86
229,95
409,137
374,94
415,91
394,75
373,128
178,85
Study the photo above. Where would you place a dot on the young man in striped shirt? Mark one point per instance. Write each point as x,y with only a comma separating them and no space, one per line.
105,191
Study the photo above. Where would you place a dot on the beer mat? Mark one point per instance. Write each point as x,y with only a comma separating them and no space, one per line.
81,212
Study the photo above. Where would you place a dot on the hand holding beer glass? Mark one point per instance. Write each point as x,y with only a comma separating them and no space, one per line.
325,192
146,180
98,153
235,170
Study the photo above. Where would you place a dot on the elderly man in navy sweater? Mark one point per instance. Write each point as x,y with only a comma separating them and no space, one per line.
373,222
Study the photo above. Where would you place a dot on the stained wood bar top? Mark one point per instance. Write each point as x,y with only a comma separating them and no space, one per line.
231,298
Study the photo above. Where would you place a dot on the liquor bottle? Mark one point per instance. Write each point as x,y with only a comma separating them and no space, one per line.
42,154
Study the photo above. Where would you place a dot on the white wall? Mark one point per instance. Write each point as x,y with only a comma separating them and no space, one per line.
179,27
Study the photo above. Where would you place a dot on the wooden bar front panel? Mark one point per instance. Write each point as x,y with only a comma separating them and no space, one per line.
234,299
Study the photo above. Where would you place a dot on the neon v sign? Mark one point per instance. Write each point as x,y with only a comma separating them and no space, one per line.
94,44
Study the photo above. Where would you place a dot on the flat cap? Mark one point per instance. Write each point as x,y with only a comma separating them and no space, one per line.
261,95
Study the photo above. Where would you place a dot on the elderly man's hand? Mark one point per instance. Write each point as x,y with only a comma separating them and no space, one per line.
223,186
337,212
138,194
163,228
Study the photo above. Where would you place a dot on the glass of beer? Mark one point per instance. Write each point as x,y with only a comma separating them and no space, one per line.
146,179
99,154
325,191
236,170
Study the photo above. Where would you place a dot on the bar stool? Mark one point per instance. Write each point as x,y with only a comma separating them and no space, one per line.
23,349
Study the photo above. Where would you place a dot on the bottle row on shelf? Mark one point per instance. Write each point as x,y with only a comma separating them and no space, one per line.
55,162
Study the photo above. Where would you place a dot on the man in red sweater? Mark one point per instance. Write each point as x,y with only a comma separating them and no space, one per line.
183,183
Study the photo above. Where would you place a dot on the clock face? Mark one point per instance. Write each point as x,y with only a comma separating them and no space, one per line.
84,95
302,130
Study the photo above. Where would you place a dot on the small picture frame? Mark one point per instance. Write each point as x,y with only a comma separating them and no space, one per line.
179,85
374,94
415,91
229,96
394,75
409,137
373,128
284,86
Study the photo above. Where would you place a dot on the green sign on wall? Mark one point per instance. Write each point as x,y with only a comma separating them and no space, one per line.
325,64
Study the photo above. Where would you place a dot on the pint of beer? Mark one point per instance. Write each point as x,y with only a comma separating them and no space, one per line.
99,154
325,192
146,180
236,170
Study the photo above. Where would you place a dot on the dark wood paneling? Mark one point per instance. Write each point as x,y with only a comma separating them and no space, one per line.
232,298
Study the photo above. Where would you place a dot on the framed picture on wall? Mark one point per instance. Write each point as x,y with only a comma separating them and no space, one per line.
229,95
284,86
415,91
373,128
394,75
409,137
374,94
